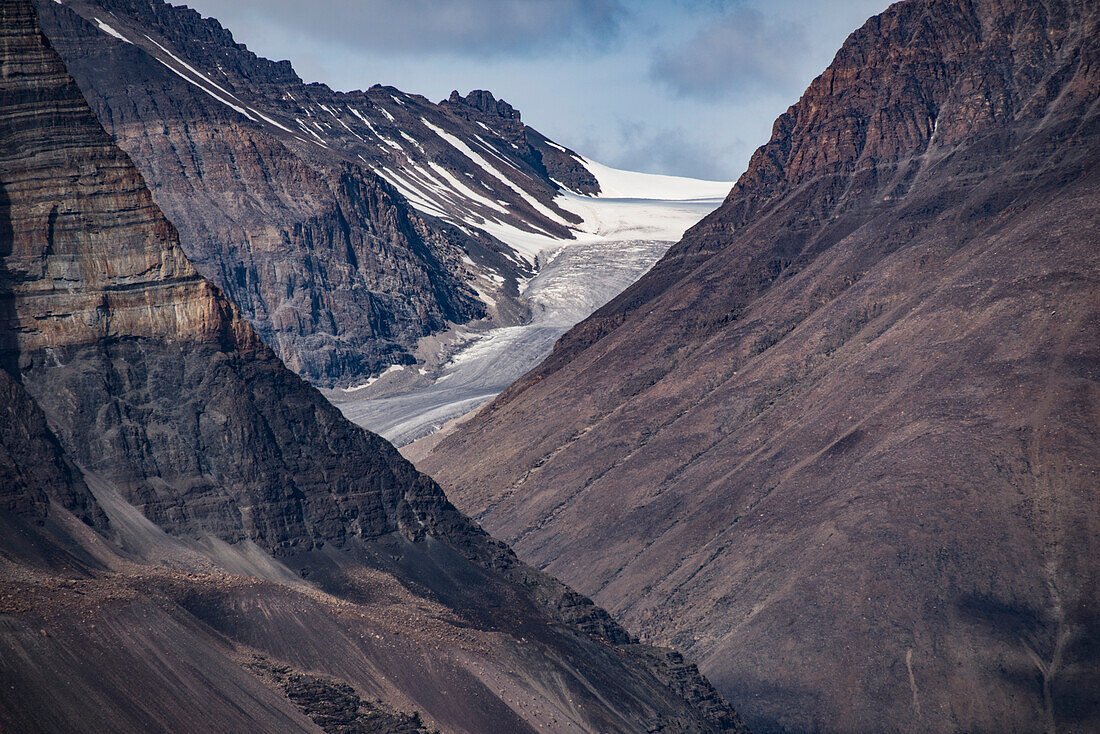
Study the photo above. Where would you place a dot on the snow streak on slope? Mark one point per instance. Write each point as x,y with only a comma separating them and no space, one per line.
457,160
492,171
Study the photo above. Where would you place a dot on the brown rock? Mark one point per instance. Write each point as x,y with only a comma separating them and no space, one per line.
842,444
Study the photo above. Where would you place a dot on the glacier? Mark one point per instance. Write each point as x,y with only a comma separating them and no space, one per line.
624,230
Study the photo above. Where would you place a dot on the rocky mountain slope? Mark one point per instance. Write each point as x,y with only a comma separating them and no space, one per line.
346,226
842,444
193,538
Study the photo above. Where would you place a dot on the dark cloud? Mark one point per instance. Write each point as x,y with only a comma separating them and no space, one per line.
740,54
458,27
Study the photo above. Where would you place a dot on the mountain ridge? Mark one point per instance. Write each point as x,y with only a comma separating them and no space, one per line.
345,225
848,424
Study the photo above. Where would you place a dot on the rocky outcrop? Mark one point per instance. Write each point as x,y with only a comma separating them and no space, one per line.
552,161
841,444
229,511
277,189
33,468
335,706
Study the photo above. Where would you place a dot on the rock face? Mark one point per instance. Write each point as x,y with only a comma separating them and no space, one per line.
192,538
842,444
550,160
277,186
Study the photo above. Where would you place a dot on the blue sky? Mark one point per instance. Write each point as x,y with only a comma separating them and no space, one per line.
687,87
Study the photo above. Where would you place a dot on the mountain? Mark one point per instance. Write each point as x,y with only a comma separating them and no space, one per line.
192,538
346,226
842,444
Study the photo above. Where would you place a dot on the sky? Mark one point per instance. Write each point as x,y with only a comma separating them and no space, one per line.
684,87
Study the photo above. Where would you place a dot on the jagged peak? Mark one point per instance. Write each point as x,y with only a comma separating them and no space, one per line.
484,101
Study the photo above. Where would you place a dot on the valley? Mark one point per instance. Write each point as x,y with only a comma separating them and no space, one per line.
353,411
193,539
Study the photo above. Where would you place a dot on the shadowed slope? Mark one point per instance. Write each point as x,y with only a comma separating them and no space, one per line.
842,442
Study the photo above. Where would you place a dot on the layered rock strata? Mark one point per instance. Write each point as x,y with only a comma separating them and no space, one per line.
344,226
193,538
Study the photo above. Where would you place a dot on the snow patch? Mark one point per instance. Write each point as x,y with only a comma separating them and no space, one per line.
411,139
372,380
108,29
619,184
366,122
492,151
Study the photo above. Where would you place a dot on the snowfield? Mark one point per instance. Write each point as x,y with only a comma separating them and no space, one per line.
630,205
618,184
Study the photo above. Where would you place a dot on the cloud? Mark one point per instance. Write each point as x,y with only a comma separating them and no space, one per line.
478,28
669,149
738,55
